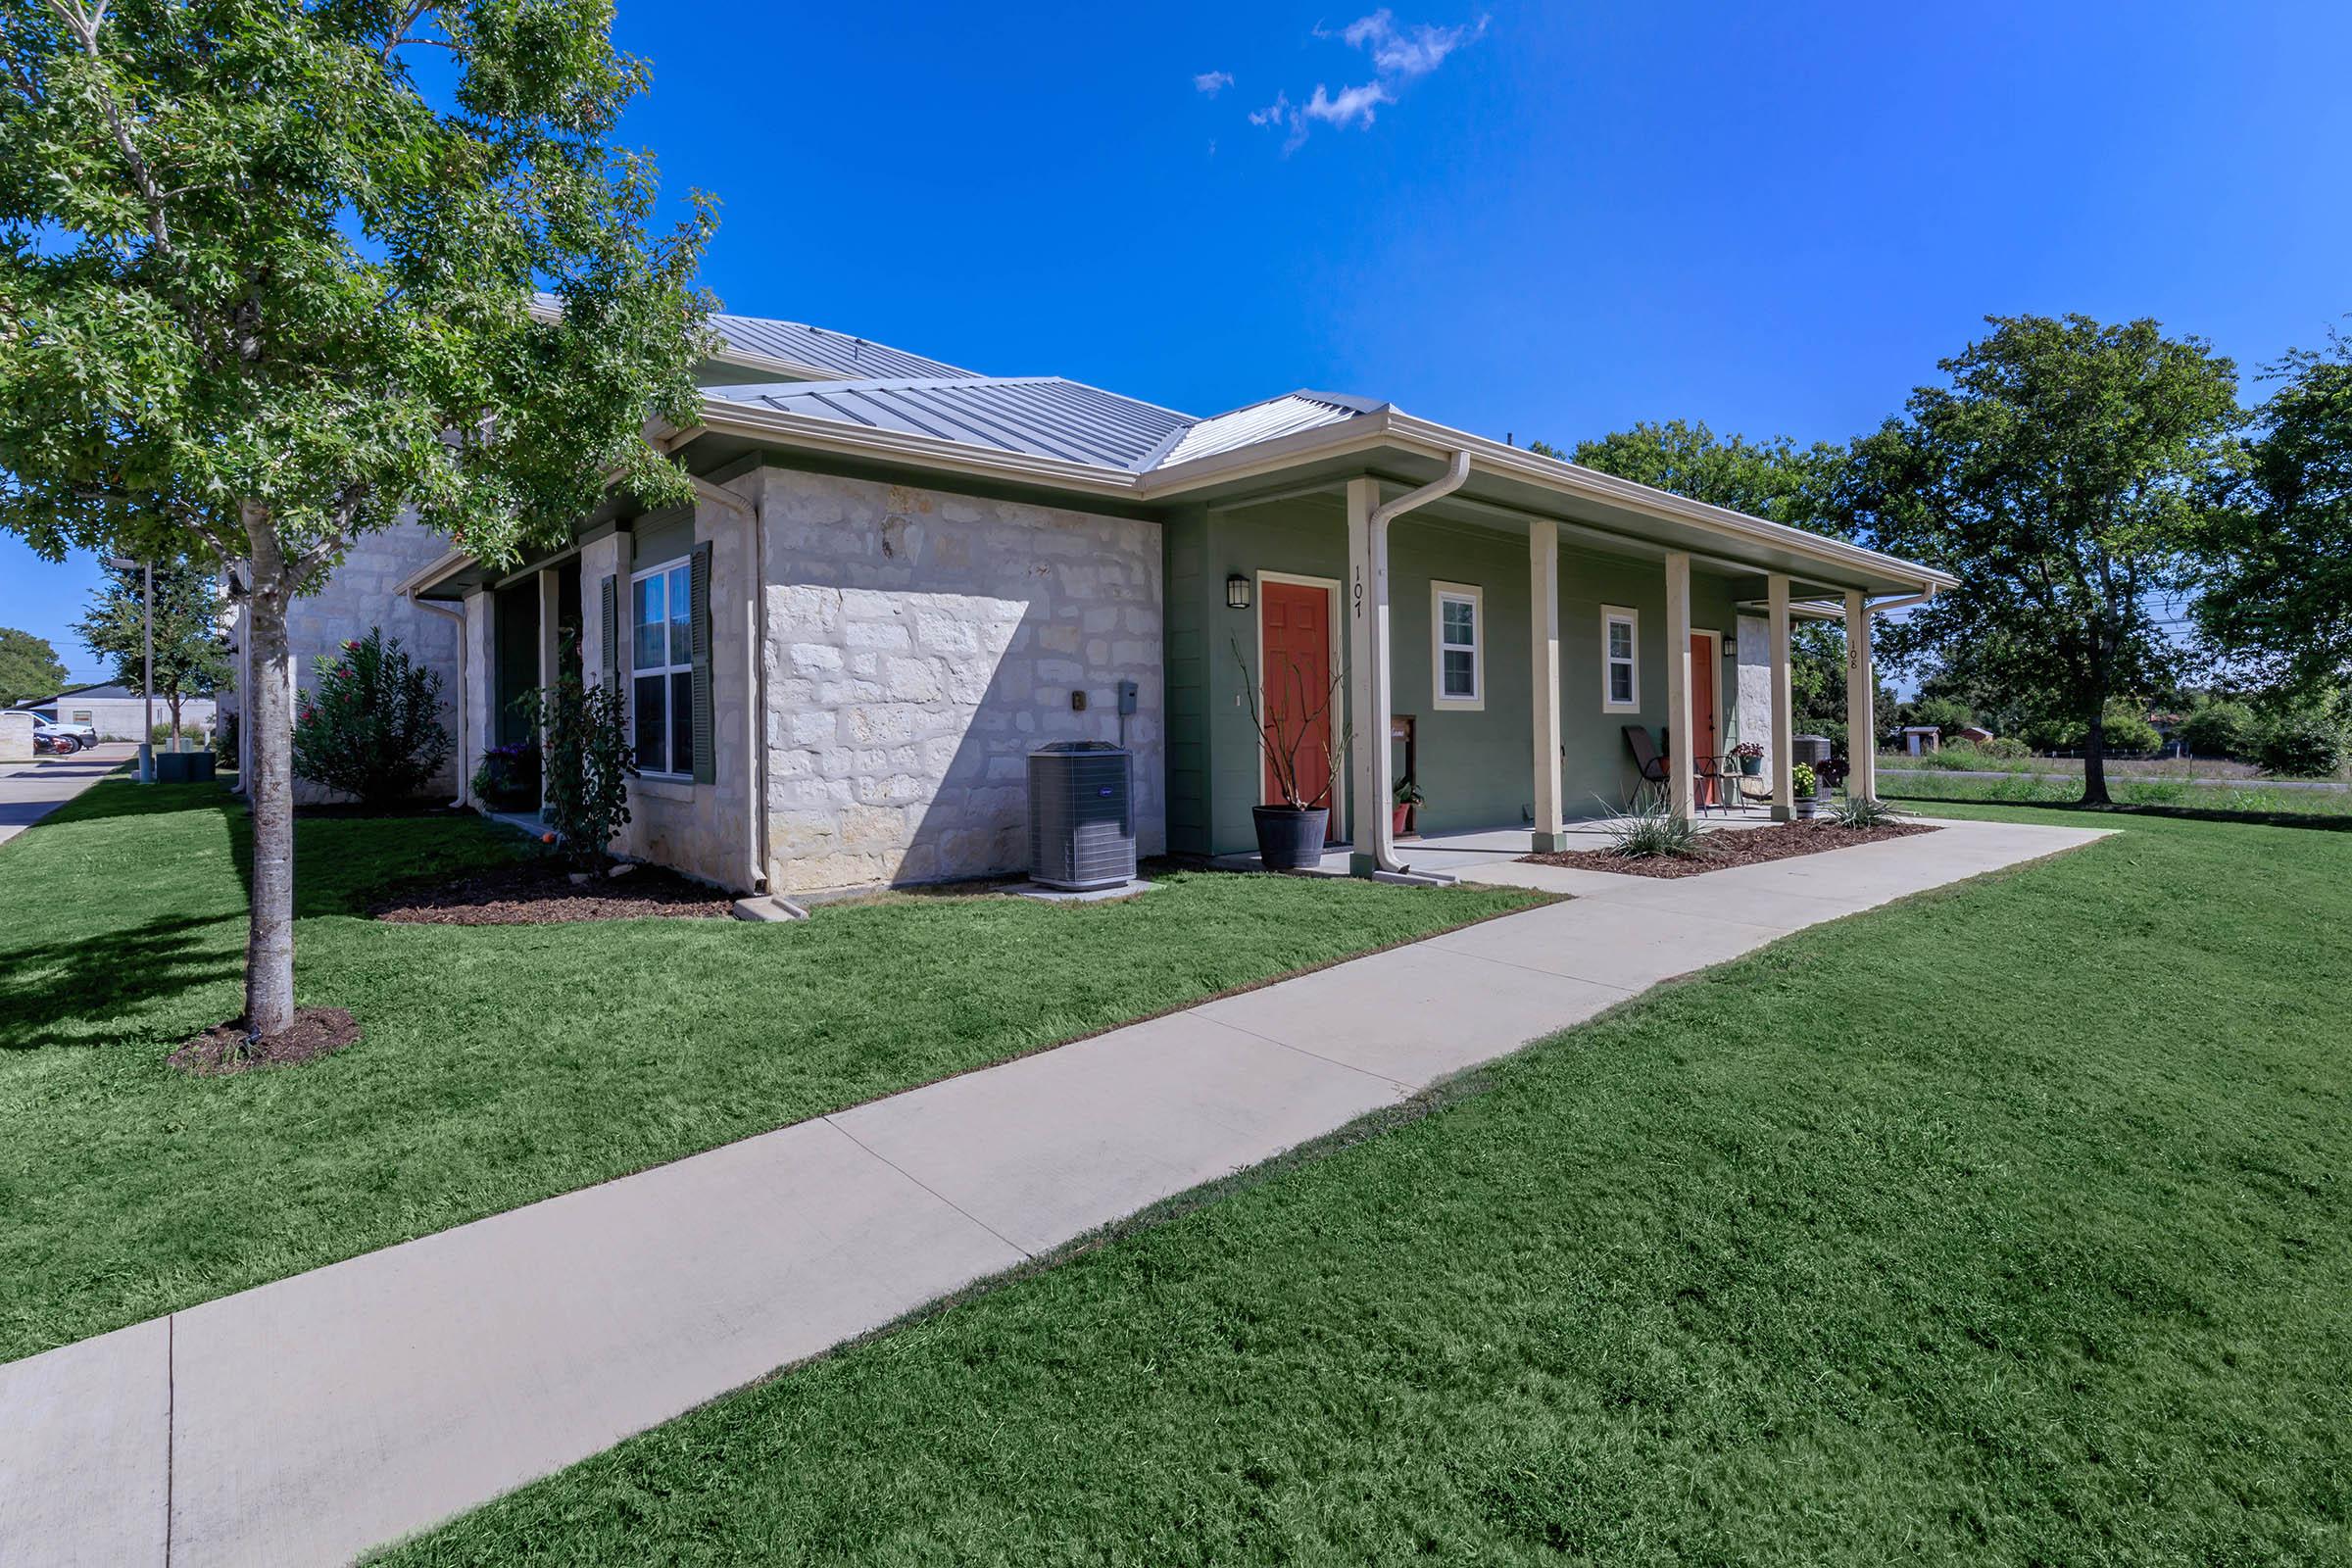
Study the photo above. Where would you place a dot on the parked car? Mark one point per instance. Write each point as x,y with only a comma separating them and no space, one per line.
84,732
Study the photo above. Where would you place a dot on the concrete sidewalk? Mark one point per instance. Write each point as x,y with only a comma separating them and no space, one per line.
30,790
306,1421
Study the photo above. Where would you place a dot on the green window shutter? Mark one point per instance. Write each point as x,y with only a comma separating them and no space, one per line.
609,608
697,603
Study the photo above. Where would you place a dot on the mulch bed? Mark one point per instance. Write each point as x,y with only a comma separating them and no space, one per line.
315,1032
542,893
1721,850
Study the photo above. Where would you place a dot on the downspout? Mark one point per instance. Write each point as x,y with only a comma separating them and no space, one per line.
1384,843
458,614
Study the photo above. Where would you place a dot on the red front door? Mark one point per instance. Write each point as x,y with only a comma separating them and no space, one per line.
1706,742
1295,625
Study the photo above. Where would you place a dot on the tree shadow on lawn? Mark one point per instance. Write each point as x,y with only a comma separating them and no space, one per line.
107,986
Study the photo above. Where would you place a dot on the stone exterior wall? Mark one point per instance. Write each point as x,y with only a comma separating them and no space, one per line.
360,592
1754,707
919,645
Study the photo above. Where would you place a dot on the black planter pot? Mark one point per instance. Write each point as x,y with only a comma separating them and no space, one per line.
183,767
1289,839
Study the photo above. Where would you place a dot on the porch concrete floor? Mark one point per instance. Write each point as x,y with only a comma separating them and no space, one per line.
311,1419
1476,855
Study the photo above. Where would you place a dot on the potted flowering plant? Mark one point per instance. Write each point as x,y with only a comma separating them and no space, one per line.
1751,756
1407,800
1805,786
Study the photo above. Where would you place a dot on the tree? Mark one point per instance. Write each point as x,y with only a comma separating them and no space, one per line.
191,657
2064,477
28,666
2277,593
282,292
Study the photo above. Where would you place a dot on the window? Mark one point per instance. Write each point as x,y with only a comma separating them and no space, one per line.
662,670
1457,654
1620,665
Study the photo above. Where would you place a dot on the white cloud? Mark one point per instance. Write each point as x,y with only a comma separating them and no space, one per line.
1407,53
1399,55
1212,82
1354,105
1274,113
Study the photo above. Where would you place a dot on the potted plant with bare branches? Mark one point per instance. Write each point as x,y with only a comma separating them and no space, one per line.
1292,832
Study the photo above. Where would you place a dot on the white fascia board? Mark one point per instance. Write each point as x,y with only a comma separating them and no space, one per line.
432,571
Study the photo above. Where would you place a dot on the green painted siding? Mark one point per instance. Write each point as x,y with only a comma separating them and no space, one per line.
1475,766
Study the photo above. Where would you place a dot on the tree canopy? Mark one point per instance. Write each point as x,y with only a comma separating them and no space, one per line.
268,281
30,668
2065,475
191,656
2278,592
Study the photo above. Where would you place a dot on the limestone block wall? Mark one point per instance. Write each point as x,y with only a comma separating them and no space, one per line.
705,830
1754,709
919,645
360,592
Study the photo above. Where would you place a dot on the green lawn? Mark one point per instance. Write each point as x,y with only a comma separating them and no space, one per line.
502,1065
2007,1225
2253,797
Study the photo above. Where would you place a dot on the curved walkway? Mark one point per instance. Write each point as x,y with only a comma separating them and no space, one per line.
308,1420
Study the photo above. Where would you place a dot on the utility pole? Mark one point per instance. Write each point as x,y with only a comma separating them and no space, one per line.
147,663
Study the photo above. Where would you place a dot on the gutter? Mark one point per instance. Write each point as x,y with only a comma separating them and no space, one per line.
1383,427
457,614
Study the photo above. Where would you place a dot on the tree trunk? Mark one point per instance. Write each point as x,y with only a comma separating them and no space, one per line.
270,791
172,698
2094,758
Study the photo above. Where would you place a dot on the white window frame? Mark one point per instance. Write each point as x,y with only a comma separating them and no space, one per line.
682,567
1630,620
1475,597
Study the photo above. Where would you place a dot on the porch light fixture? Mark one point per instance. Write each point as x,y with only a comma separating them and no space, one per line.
1236,592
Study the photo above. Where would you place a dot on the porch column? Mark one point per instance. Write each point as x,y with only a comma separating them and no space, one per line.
1861,717
1679,675
1544,639
1783,718
1367,612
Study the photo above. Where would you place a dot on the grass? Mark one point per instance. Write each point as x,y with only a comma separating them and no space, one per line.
2006,1225
503,1064
2219,797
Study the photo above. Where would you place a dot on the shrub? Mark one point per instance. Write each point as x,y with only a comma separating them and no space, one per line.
225,741
2127,729
2005,748
507,775
588,762
2220,729
371,727
1649,828
2302,743
1861,811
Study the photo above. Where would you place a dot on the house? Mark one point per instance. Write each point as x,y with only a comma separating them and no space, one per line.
899,577
116,712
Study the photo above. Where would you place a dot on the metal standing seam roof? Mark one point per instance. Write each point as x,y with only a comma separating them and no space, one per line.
847,356
1047,417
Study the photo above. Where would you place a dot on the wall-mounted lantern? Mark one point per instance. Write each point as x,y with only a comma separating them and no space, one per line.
1236,592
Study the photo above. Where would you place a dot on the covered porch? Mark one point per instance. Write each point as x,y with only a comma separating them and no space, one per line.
1507,652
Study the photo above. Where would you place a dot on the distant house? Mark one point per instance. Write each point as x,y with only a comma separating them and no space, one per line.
1976,734
898,577
115,710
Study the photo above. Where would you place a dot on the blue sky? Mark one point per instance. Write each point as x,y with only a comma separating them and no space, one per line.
1543,220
